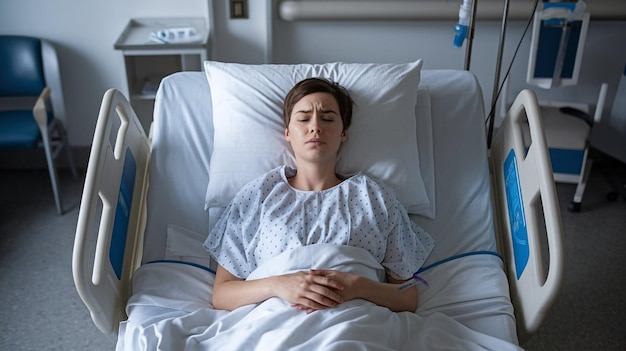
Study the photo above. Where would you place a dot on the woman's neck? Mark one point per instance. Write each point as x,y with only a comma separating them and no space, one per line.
311,178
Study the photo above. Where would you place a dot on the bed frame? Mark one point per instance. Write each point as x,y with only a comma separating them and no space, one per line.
526,212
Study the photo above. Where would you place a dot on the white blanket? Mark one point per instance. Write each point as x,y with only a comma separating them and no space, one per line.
159,323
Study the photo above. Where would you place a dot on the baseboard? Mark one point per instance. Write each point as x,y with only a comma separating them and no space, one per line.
34,159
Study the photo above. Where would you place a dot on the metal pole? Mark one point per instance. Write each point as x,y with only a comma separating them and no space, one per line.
560,56
470,36
496,81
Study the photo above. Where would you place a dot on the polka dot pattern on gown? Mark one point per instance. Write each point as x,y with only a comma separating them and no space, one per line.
268,217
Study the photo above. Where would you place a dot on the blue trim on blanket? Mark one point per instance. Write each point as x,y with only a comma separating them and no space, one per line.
186,263
423,269
456,257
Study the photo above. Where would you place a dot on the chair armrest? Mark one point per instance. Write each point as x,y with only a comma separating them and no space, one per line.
40,110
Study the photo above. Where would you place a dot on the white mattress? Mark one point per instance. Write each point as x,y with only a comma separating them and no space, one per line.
472,290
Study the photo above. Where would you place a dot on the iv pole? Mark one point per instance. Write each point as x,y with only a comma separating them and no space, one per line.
496,80
470,37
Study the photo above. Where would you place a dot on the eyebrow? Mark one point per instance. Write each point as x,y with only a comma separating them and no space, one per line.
323,111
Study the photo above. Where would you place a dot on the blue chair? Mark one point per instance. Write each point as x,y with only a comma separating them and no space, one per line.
26,117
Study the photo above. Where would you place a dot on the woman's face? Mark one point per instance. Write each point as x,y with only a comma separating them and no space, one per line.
315,129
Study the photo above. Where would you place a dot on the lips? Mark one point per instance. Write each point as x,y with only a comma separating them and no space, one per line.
315,141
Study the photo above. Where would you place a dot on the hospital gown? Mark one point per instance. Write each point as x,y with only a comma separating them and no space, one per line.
268,216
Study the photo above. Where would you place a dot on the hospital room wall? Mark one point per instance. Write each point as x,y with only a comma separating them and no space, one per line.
85,31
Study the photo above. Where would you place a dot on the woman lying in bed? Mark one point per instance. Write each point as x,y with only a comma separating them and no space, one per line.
286,209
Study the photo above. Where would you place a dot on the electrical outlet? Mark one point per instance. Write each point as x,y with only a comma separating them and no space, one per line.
238,8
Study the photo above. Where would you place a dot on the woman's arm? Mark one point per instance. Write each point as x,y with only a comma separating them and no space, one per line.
302,289
389,295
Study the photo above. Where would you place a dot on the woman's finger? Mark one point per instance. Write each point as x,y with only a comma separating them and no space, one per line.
324,296
324,277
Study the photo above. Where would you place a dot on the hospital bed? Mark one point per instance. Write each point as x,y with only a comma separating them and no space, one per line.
497,266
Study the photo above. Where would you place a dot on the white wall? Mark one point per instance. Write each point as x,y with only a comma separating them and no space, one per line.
85,32
242,40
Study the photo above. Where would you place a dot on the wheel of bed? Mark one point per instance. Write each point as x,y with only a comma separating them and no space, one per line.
150,201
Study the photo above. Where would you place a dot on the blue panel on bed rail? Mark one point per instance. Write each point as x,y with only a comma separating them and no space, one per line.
517,220
122,214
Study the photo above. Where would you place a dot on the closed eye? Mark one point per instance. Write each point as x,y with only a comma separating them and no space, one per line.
329,115
302,116
326,115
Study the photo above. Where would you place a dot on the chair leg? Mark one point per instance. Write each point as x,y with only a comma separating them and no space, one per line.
53,172
575,205
65,144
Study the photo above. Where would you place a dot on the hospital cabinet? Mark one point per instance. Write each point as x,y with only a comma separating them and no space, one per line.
153,48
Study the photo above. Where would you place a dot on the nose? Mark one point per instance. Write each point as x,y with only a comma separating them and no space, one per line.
315,126
315,129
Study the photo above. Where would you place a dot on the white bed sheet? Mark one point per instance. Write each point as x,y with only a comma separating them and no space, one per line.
179,167
174,312
473,289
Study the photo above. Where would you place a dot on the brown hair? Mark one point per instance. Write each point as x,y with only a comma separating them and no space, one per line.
319,85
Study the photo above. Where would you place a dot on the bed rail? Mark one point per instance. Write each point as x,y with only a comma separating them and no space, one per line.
527,214
114,194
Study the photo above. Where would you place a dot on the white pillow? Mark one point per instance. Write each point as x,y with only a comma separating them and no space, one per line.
249,130
426,152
